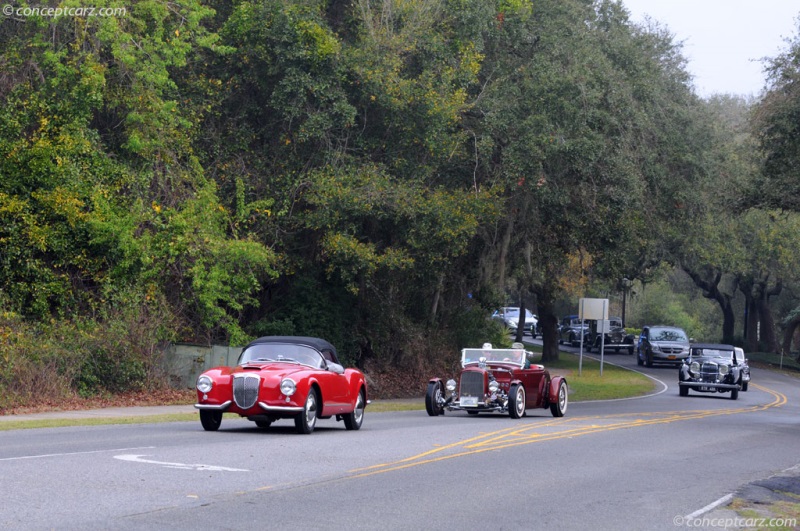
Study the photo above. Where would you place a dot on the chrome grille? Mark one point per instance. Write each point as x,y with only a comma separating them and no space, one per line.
472,384
671,350
245,389
709,372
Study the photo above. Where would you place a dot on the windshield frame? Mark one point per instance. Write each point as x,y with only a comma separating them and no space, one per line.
295,353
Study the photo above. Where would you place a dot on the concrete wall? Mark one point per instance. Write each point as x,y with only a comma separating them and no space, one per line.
184,362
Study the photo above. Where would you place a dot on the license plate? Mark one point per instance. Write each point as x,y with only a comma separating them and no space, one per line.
670,357
469,401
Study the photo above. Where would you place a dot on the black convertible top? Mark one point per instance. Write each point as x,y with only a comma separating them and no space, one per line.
314,342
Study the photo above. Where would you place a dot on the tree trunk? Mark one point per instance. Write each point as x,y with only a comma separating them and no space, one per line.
547,316
521,321
710,288
768,336
788,335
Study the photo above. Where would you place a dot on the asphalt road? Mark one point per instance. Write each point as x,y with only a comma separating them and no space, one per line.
629,464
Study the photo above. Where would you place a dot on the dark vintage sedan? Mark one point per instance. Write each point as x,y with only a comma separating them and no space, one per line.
610,335
571,329
283,377
713,368
498,380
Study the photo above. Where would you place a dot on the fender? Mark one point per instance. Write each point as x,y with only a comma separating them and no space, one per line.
434,380
555,383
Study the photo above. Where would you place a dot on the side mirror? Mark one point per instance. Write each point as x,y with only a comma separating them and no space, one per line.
335,367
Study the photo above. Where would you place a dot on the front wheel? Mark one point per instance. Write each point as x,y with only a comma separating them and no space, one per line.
306,421
639,359
683,390
433,399
734,394
516,401
210,419
648,362
353,421
744,386
559,408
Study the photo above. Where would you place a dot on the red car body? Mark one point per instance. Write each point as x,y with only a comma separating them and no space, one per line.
498,380
280,377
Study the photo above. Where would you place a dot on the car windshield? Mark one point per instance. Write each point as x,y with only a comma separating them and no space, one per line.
667,334
514,312
285,352
714,352
515,356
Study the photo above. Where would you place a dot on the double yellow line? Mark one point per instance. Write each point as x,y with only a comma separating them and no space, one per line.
528,433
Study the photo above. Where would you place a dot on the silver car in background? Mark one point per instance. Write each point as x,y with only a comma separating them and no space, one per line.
662,344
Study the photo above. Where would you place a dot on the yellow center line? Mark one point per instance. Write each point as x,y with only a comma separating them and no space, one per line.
529,434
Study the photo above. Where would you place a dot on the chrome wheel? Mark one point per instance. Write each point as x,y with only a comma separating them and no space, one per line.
307,420
353,421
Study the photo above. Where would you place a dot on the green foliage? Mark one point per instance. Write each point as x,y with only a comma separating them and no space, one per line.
352,170
659,304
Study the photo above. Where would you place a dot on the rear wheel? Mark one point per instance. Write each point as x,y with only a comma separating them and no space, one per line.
516,401
559,407
210,419
306,421
432,399
353,421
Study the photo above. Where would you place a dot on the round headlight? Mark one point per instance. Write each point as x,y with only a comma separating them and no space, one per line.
694,367
288,387
723,370
494,386
204,383
451,385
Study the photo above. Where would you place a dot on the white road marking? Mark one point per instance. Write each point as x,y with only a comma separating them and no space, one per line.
182,466
75,453
710,506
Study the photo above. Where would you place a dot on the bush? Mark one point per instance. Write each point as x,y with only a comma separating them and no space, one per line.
56,360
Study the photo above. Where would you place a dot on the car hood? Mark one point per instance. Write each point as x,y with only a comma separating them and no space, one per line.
277,368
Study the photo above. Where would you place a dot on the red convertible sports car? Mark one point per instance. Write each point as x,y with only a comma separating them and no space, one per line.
280,377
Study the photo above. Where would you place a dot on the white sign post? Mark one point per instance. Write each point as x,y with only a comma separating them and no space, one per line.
596,309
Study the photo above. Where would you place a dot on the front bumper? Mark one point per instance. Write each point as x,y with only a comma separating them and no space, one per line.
701,386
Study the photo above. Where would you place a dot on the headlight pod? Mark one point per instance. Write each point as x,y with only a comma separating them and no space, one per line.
288,387
450,385
723,370
494,386
694,367
204,383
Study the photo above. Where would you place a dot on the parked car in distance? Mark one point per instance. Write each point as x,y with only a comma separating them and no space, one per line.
571,329
711,368
509,317
662,344
616,338
498,380
280,377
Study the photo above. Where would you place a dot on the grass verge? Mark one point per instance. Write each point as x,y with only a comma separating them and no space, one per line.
587,383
